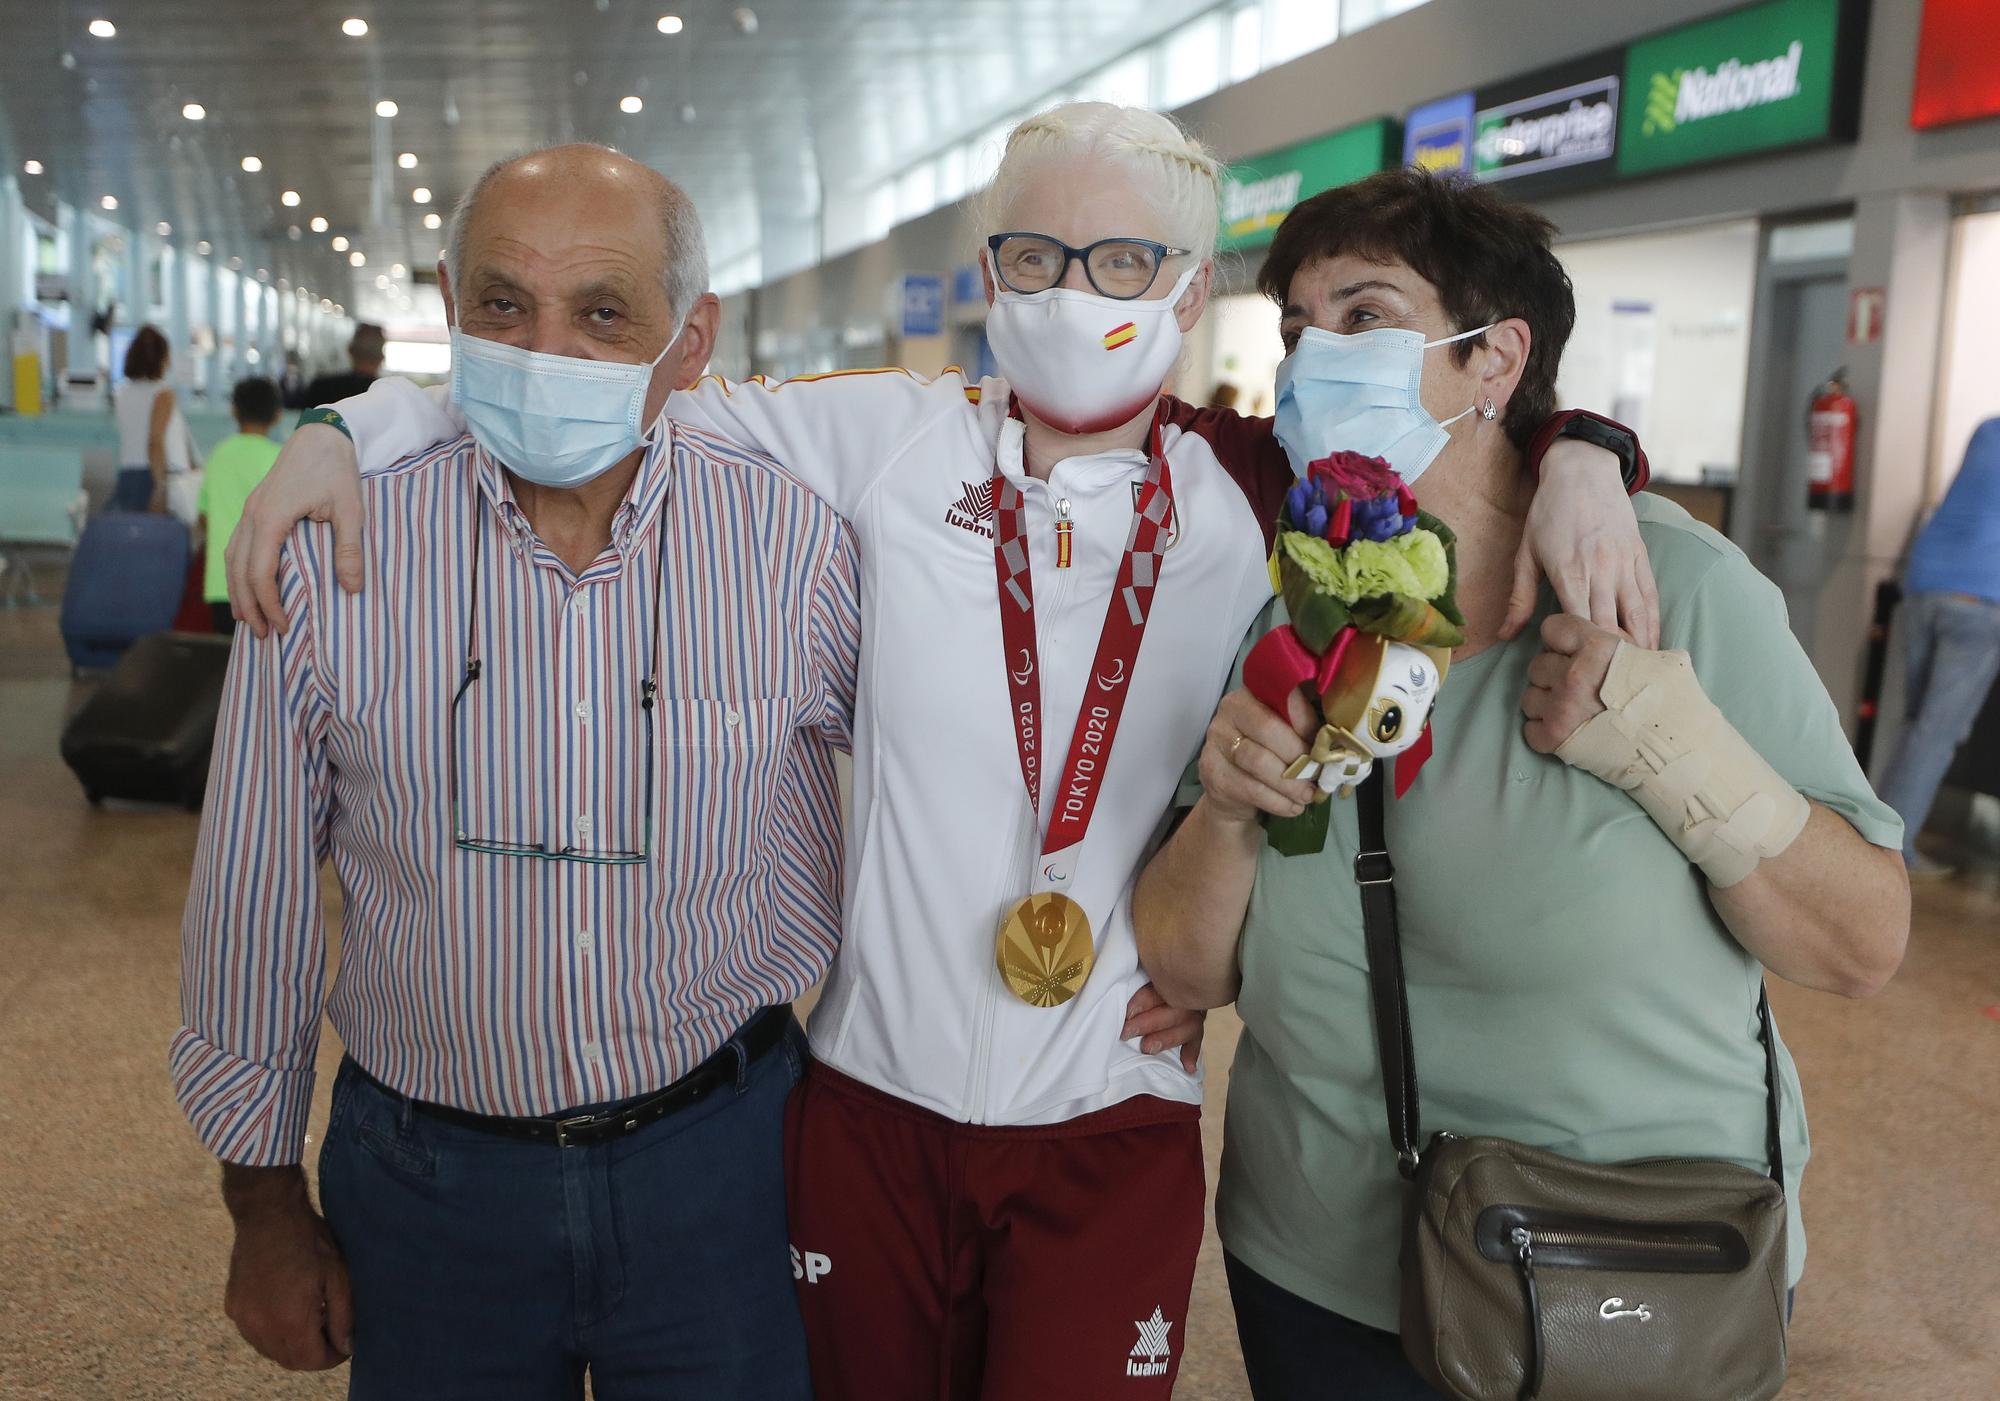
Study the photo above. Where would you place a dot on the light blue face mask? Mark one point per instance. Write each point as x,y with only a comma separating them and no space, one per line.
1361,393
555,420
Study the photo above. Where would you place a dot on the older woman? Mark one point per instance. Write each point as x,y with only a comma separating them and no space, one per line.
1583,961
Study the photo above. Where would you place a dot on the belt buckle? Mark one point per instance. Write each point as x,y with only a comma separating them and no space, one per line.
563,1126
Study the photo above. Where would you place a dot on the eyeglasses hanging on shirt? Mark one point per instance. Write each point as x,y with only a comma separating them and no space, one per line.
648,691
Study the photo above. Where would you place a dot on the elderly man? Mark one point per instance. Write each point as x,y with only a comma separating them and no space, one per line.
572,762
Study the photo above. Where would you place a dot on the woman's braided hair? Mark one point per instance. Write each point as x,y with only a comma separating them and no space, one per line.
1184,179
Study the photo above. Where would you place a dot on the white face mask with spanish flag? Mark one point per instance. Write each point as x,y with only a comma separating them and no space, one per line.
1080,362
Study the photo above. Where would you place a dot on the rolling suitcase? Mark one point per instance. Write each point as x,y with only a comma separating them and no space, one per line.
125,580
147,732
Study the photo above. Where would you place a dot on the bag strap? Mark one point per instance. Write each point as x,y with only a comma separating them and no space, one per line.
1375,874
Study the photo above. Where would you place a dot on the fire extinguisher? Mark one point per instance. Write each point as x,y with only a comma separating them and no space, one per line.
1830,428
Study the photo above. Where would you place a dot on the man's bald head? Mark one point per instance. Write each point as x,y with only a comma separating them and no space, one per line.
593,178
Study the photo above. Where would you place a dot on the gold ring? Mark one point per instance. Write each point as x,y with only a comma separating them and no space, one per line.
1235,745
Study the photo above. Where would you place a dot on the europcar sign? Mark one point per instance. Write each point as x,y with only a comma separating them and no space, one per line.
1257,194
1784,73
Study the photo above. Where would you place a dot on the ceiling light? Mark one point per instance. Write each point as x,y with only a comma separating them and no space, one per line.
235,264
381,282
295,233
31,167
688,114
397,270
290,199
631,104
326,303
339,310
354,28
745,19
204,248
319,223
163,228
421,194
670,24
109,201
263,274
103,29
386,108
408,160
252,164
433,220
357,259
283,285
194,111
340,243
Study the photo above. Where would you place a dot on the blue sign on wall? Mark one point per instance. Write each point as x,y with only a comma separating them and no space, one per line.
967,286
1438,135
923,304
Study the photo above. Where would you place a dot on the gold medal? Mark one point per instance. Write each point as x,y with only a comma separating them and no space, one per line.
1044,949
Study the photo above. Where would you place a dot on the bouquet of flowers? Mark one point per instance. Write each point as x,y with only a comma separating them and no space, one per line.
1368,582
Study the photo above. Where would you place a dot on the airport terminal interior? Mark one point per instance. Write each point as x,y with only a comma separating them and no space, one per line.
1781,223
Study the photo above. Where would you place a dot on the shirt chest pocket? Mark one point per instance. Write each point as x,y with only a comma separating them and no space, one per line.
722,767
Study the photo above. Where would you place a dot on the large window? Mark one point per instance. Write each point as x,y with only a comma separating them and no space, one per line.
1228,44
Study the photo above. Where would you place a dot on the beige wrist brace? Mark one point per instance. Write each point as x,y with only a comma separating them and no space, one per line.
1662,740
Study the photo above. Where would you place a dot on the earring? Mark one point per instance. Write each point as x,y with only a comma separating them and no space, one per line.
1488,412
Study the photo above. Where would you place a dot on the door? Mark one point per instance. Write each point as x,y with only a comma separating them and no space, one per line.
1806,316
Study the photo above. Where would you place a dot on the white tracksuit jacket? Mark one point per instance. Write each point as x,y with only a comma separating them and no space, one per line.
943,840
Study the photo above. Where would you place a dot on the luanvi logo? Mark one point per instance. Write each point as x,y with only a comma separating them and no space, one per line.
973,510
1696,94
1152,1353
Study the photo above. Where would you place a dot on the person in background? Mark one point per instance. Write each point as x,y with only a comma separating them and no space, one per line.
364,357
1951,630
234,468
292,384
158,466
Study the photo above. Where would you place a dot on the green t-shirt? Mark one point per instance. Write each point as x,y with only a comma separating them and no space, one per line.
238,463
1570,985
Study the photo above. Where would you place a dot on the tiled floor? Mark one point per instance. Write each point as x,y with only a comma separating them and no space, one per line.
113,1242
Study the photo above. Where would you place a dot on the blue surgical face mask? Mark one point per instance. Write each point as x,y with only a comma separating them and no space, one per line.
1361,393
555,420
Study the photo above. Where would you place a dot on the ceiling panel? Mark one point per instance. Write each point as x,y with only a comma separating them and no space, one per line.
823,94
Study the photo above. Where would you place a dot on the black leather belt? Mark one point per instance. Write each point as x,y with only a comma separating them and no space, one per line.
763,1034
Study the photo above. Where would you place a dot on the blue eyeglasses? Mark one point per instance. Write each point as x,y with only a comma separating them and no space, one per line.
1121,268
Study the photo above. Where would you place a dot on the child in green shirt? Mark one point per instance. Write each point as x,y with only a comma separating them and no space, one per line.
234,469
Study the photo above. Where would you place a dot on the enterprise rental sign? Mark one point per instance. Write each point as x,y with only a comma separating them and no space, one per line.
1552,130
1774,75
1783,73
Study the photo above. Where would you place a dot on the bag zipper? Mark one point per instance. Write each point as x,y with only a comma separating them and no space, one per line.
1523,1241
1564,1240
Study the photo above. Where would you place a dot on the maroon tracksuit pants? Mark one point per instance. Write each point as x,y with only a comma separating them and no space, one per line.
939,1261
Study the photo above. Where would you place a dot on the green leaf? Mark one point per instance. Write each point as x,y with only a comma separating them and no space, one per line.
1446,602
1299,836
1407,619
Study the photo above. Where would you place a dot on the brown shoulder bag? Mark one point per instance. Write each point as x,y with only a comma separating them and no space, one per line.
1530,1275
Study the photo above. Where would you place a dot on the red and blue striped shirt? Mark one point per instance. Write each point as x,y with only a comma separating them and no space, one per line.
511,984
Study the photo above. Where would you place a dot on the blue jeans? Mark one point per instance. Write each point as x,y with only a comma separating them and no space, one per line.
1953,656
495,1269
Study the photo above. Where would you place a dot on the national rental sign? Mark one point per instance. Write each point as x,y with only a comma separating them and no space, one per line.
1258,193
1753,80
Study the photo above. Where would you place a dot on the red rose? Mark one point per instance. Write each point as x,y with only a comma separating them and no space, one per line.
1363,478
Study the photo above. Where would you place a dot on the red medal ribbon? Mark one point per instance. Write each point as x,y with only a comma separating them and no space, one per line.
1125,619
